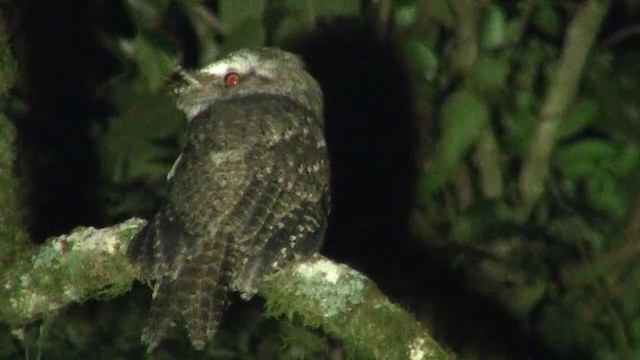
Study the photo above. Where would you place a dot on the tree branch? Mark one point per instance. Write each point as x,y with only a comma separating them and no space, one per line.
559,96
92,263
85,264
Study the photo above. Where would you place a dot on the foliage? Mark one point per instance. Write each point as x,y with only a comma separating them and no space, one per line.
532,158
587,212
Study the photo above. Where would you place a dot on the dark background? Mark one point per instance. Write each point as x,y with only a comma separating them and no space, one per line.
380,136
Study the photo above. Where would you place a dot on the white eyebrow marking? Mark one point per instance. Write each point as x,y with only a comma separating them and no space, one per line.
241,63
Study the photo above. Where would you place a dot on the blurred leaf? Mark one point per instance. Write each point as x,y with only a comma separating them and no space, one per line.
539,52
615,83
526,100
564,331
494,28
290,27
575,231
581,115
515,29
488,160
439,11
8,350
405,15
518,130
249,33
147,14
483,221
604,194
234,13
490,72
154,63
464,118
626,160
546,19
585,158
206,25
244,20
314,9
422,57
298,5
524,297
323,8
132,148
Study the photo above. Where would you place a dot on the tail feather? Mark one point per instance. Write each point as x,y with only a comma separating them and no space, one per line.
162,317
205,298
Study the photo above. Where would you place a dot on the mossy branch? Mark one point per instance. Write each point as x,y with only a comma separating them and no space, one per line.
87,263
559,96
92,263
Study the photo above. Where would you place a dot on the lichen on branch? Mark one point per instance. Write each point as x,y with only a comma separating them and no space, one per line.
92,263
87,263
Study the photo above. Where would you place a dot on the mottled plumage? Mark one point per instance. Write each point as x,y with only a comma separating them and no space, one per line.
247,195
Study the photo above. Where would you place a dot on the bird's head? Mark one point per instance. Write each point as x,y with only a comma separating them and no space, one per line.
268,71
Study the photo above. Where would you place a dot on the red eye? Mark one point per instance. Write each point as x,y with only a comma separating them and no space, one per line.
232,79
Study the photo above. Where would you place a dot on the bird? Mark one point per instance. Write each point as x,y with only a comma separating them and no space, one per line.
248,195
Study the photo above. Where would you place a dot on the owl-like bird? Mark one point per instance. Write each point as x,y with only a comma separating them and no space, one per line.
248,194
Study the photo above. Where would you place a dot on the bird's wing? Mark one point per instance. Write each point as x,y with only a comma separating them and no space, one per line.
267,208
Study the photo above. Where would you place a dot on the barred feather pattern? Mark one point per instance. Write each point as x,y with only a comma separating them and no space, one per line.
248,195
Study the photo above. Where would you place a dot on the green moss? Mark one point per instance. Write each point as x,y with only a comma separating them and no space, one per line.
86,264
348,306
329,287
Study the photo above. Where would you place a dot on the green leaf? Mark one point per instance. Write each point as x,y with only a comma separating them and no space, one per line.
538,52
289,28
585,158
244,19
324,8
311,10
298,5
519,128
250,33
421,56
546,19
565,330
579,117
132,149
494,28
464,118
491,72
439,11
154,63
576,231
524,297
526,100
234,13
605,194
146,14
627,159
515,29
483,221
405,15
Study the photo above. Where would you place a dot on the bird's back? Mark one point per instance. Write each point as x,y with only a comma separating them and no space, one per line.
248,195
